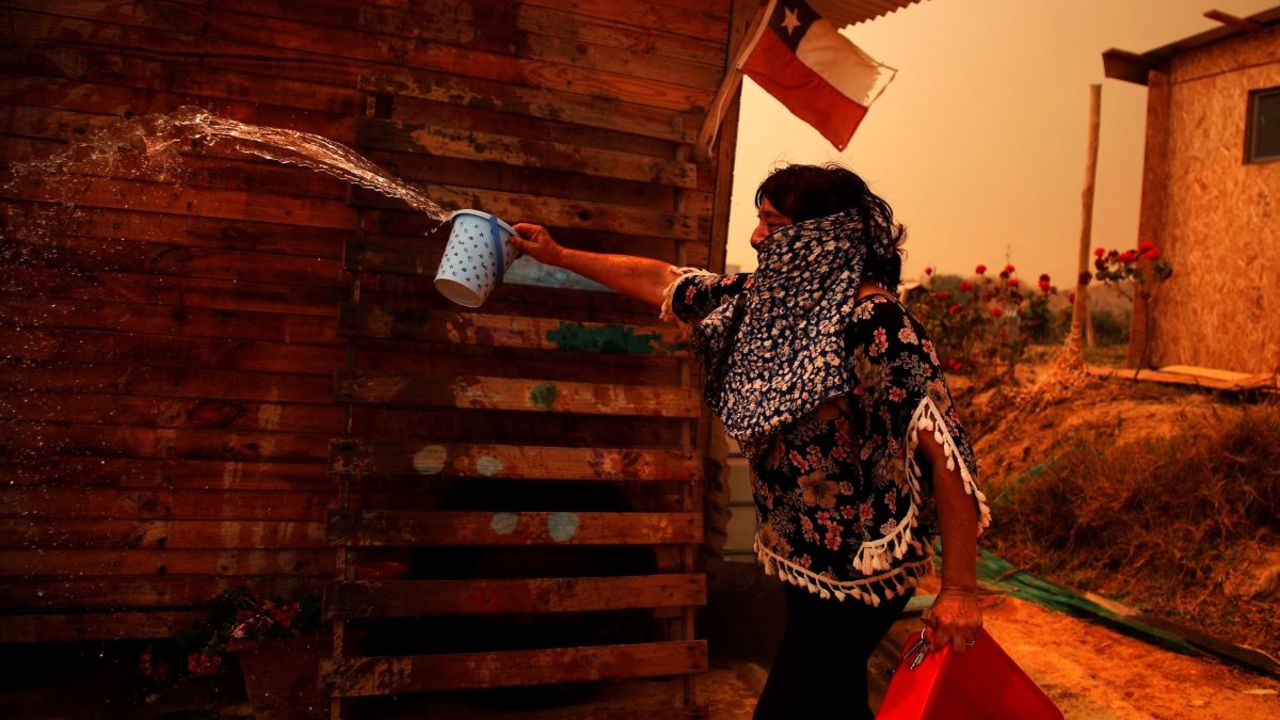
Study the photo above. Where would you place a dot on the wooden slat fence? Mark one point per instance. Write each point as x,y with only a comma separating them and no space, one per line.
214,380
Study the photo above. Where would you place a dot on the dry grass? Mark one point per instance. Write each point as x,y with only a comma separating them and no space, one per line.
1157,521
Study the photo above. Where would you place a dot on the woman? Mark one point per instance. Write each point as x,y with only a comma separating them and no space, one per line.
826,381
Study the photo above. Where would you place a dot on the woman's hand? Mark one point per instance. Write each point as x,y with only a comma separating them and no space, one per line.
536,242
955,618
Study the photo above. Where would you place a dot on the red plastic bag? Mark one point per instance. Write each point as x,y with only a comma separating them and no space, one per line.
983,684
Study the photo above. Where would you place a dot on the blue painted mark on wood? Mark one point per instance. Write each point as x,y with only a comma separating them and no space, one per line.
488,465
612,338
543,396
562,526
504,523
430,459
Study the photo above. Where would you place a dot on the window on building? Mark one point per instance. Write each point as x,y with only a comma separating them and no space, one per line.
1263,140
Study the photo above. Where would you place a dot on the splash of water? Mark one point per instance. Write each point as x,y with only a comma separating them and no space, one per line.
150,148
292,147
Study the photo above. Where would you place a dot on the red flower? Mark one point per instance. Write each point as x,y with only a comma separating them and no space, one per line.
284,615
966,286
202,664
954,309
1008,270
928,271
980,269
1153,254
1071,298
1099,252
1128,256
942,295
1146,245
996,311
1044,277
1045,286
1013,282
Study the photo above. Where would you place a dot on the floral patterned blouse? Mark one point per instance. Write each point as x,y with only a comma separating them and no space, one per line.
843,505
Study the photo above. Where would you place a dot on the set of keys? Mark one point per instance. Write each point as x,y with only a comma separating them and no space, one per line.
916,651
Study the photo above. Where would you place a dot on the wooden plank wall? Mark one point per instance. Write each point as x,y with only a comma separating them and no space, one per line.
167,381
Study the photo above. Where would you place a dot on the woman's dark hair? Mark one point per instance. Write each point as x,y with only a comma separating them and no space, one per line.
806,192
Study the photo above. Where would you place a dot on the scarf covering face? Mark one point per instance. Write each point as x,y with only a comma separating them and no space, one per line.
776,350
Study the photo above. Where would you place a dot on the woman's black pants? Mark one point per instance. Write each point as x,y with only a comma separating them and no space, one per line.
820,670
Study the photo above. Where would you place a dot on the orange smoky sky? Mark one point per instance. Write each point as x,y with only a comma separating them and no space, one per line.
979,143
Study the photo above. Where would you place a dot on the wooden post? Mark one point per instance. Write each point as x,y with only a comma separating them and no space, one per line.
1080,313
1088,327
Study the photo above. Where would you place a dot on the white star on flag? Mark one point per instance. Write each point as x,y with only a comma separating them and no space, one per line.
792,21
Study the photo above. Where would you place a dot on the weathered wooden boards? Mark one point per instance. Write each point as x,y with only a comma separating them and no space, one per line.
539,333
607,169
177,357
1208,378
497,393
386,675
373,528
477,597
424,457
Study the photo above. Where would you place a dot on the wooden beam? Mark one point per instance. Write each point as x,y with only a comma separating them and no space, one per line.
537,333
205,384
157,534
162,473
542,595
80,627
252,561
1246,383
499,393
432,141
1232,21
147,590
520,461
32,440
376,528
550,211
1124,65
534,102
426,673
137,504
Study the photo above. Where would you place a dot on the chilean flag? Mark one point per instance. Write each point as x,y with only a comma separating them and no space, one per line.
817,73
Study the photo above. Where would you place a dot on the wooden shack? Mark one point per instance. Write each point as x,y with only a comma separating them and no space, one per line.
243,377
1209,197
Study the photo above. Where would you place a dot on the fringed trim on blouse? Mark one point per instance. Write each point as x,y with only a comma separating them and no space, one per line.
668,295
876,555
872,590
927,417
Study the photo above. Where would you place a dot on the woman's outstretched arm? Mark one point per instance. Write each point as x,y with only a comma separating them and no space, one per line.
955,616
640,277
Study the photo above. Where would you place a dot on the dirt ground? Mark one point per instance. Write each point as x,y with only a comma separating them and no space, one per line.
1091,672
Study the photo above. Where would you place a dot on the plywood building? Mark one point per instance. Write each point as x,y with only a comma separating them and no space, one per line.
1211,195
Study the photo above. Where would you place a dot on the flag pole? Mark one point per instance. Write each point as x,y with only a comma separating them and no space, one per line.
729,86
